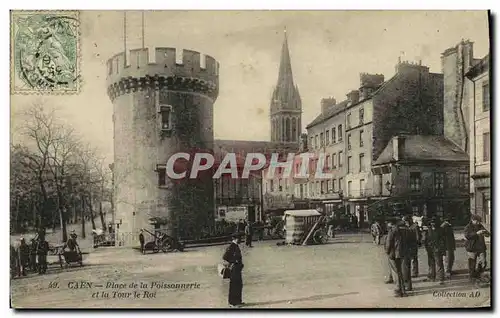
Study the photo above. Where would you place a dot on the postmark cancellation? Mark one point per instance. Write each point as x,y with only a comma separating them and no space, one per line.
45,52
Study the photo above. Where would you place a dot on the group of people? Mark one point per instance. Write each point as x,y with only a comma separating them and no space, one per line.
33,257
404,237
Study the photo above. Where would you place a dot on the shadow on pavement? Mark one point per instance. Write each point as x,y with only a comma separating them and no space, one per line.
291,301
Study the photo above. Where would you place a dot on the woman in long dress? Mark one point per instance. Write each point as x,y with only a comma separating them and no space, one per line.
232,255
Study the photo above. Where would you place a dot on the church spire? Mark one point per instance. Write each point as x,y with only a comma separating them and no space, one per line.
285,77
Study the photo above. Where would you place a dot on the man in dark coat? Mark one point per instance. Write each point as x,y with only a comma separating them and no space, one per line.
434,242
42,249
389,279
416,238
233,257
449,237
395,249
141,241
24,257
33,247
411,251
475,246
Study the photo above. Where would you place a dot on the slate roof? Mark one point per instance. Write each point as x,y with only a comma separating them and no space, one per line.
330,112
423,148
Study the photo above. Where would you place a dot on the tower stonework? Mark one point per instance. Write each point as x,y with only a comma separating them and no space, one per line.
159,109
286,104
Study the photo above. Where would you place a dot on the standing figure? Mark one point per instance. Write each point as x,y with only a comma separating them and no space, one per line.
71,243
24,257
14,262
376,231
232,255
248,234
449,237
389,279
416,239
410,238
435,245
141,241
42,250
475,246
395,249
33,246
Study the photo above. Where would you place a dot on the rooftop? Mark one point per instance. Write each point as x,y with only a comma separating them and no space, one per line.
423,148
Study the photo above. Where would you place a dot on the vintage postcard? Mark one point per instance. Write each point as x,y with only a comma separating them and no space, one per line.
250,159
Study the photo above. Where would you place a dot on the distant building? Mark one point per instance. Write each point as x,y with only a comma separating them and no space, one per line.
425,175
354,132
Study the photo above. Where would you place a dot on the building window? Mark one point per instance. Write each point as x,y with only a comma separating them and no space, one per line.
361,116
162,176
348,141
316,141
312,142
166,117
348,123
333,184
340,133
349,164
341,159
439,182
361,137
415,210
327,163
439,210
334,135
271,184
463,181
361,162
322,140
341,181
327,136
415,181
349,188
362,187
486,147
334,161
486,97
322,187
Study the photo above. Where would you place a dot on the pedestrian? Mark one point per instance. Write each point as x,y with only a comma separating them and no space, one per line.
42,250
248,234
395,249
434,242
233,257
416,240
410,238
389,279
24,257
33,247
376,231
475,246
450,244
141,240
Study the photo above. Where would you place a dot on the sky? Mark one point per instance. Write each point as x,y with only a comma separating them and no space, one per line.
328,49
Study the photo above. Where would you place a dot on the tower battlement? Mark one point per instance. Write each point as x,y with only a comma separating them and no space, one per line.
168,63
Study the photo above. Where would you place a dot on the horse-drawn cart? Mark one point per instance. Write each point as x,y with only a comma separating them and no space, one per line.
162,241
305,227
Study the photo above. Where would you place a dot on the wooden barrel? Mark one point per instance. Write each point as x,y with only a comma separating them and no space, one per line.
294,229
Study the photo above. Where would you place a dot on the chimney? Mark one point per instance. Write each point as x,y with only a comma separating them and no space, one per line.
326,103
405,67
369,83
353,96
398,147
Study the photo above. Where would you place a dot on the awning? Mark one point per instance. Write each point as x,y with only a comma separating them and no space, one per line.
302,213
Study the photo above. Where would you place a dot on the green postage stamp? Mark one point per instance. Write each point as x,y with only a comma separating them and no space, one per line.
45,52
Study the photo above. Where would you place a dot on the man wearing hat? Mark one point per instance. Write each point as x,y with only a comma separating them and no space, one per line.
24,257
42,249
411,252
475,246
233,257
395,247
71,243
449,237
435,245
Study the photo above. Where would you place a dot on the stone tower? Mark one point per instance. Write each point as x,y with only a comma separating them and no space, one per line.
286,105
161,108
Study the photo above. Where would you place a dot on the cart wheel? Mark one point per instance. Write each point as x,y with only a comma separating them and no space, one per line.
319,237
167,246
156,249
